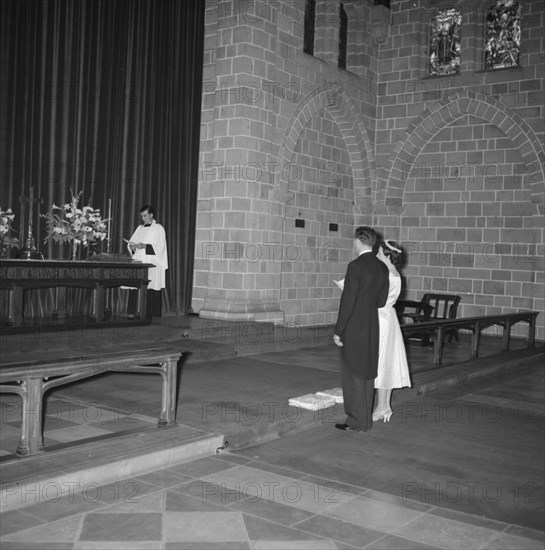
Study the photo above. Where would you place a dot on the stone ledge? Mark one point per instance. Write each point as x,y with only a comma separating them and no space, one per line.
30,480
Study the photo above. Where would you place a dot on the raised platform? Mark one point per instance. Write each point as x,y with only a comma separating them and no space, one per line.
228,391
69,470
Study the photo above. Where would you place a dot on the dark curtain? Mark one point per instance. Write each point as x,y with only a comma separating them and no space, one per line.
104,97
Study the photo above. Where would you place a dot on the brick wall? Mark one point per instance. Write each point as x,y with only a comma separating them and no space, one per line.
274,129
460,166
450,166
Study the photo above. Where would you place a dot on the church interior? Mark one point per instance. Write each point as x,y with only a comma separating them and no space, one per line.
255,136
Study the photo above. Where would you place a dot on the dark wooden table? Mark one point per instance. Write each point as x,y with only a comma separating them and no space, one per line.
18,276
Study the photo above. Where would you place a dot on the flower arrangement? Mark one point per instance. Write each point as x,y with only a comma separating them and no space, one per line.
71,224
6,229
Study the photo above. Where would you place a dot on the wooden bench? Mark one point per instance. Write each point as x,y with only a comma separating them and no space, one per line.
439,328
31,379
432,306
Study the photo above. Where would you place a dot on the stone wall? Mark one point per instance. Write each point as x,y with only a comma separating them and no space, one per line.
452,167
460,166
285,136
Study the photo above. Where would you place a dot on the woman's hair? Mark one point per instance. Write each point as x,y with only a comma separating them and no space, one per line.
149,209
388,250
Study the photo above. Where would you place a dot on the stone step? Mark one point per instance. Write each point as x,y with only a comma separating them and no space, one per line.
54,474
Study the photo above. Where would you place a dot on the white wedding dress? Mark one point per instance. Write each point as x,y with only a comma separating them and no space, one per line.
393,369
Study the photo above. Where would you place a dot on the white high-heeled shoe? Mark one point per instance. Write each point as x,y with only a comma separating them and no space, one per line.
385,414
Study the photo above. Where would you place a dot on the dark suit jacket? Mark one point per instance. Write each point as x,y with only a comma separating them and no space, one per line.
365,290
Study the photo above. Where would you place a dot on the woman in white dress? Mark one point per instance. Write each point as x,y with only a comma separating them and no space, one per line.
393,369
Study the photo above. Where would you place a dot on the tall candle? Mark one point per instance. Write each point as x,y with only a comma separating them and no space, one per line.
109,223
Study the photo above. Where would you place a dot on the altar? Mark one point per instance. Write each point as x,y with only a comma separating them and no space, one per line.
18,277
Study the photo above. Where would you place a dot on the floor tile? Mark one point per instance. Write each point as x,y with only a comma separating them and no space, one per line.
64,530
153,502
391,542
82,431
7,545
258,465
260,529
202,467
278,488
234,458
339,530
293,545
504,541
181,545
70,412
52,423
180,502
121,545
527,533
69,505
164,478
445,533
398,501
212,493
125,491
204,527
335,485
273,511
372,513
16,520
121,527
469,518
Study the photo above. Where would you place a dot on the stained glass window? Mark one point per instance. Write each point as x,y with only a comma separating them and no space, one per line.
343,37
502,35
310,14
445,42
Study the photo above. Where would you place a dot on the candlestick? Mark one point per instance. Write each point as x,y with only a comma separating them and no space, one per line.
109,224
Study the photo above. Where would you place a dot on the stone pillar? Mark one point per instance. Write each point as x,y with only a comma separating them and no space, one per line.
237,264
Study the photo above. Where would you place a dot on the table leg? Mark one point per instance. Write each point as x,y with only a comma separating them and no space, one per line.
531,331
142,301
168,406
31,424
475,341
506,335
438,347
98,303
15,314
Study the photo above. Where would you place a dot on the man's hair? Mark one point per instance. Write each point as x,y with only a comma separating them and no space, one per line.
367,235
148,208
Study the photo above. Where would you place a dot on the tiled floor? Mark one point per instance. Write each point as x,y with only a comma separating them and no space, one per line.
231,501
68,421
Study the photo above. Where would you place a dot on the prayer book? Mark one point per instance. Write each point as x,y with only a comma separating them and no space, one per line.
312,402
340,284
335,393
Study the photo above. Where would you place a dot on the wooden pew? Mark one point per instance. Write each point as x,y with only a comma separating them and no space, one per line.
31,379
439,328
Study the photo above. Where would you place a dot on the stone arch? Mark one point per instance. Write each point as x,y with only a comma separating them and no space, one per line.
422,130
349,120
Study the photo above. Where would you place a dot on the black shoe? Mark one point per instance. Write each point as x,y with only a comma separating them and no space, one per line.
344,427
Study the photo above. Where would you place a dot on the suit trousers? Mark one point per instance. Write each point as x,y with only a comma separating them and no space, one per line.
358,400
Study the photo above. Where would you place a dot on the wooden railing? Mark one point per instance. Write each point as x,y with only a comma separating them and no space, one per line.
438,328
32,378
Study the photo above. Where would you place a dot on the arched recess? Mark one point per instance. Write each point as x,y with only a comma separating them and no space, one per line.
349,120
422,130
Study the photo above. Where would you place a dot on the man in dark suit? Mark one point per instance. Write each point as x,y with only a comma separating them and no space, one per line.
357,331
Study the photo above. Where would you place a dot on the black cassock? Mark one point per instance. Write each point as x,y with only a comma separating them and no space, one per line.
366,288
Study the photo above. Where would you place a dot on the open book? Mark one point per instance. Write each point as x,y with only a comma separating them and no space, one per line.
340,284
